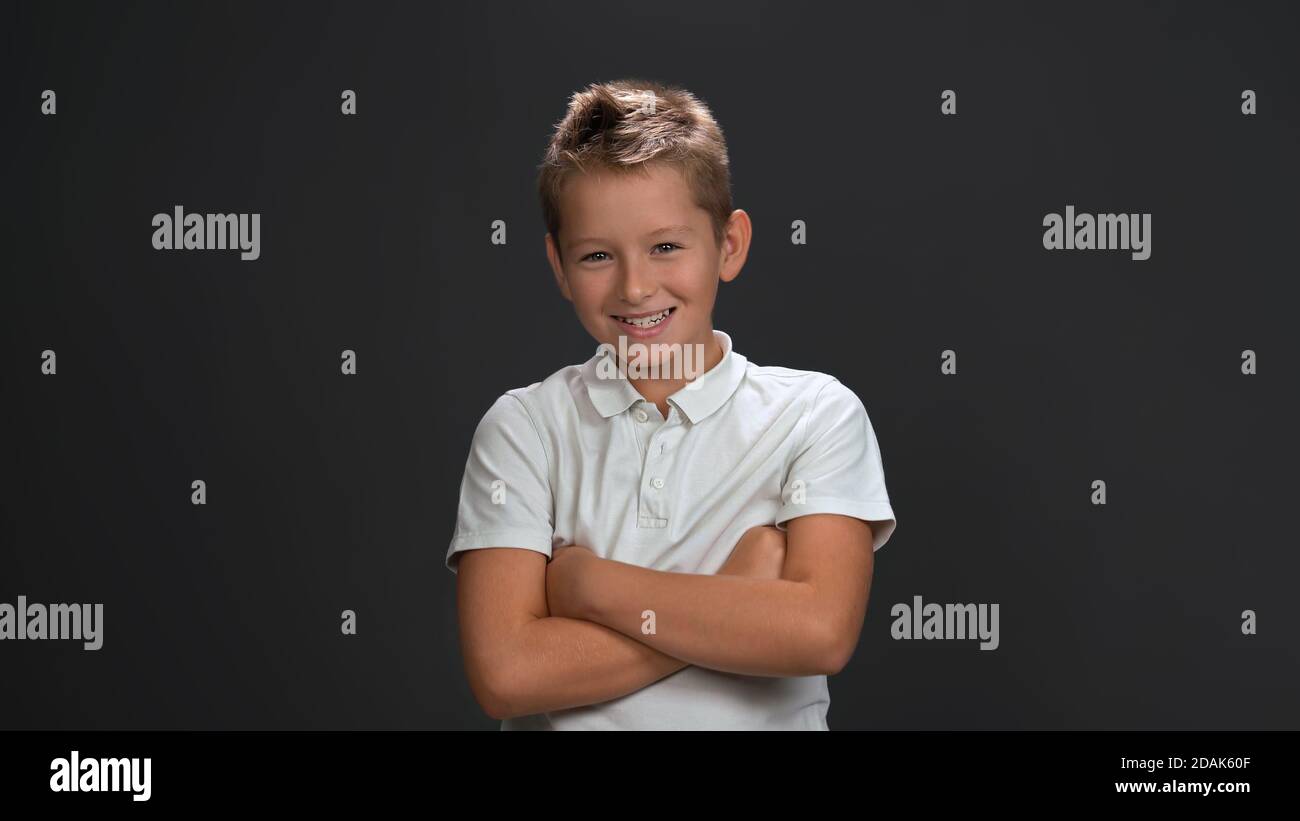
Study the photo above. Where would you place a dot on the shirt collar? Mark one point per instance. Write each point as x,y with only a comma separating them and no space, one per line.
697,400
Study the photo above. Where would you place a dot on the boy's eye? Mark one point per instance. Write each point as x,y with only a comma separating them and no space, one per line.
660,245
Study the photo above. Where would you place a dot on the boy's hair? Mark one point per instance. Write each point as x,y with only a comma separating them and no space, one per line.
622,126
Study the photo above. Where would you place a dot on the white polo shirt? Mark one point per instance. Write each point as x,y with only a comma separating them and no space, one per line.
585,459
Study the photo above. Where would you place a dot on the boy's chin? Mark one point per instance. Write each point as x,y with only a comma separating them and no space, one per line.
639,351
629,342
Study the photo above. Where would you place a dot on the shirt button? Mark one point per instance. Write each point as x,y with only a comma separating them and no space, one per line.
657,482
641,415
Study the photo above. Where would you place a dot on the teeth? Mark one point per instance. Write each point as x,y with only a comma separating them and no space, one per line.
647,321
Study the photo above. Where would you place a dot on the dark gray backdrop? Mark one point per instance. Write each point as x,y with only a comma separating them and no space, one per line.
327,493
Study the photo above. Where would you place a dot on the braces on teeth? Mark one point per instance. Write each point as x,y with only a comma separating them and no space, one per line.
648,321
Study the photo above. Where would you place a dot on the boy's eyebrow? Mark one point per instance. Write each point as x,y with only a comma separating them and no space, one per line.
670,229
667,229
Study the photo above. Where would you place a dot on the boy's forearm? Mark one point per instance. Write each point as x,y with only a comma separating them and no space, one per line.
735,624
560,662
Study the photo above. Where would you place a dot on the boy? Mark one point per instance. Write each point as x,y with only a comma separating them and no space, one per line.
643,544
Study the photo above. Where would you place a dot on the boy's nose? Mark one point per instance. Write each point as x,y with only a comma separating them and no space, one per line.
636,283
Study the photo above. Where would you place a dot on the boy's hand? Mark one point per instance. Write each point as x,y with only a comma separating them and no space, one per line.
564,579
760,554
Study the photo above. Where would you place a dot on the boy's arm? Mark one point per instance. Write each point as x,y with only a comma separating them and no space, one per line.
522,660
805,623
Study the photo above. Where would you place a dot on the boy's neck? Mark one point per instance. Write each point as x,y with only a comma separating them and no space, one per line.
657,391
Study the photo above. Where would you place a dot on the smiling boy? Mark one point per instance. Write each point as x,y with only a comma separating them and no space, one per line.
692,551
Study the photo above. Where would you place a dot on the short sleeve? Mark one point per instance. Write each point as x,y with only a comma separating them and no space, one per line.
838,468
505,494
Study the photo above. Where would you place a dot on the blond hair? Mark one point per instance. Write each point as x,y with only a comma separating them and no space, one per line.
624,125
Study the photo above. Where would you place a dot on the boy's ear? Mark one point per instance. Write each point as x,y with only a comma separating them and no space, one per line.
735,245
553,256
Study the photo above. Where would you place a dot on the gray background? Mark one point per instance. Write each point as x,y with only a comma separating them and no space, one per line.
327,493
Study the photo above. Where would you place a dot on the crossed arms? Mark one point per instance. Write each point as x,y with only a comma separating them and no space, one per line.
539,636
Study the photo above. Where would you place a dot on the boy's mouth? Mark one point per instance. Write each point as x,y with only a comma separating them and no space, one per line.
646,320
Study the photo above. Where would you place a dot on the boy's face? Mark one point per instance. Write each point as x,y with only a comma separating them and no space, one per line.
637,245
